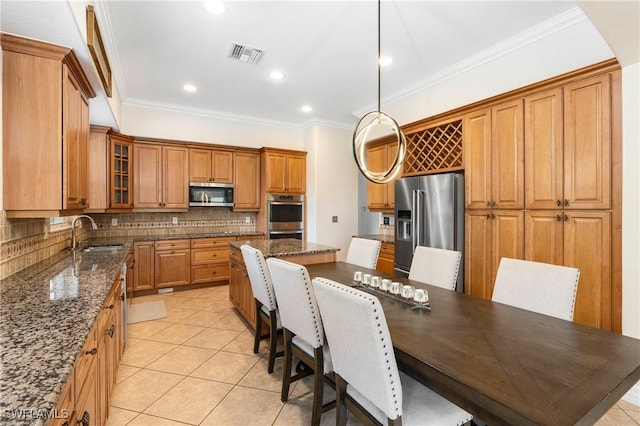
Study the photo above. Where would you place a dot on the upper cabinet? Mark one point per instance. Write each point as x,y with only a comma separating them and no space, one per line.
98,169
45,129
494,162
161,176
246,181
284,171
207,165
120,171
381,197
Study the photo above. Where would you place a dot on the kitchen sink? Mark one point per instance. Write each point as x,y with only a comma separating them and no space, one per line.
112,247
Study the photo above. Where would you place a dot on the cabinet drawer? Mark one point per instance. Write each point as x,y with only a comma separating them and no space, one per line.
387,250
209,273
211,242
172,245
205,256
86,359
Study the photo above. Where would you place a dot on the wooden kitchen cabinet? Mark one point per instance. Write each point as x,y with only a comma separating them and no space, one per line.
240,293
144,265
494,157
381,197
490,235
579,239
246,181
210,260
285,171
172,263
386,259
86,377
65,407
120,171
161,176
208,165
98,169
45,129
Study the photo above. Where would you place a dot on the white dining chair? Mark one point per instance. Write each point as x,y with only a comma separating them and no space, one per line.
265,299
538,287
435,266
368,383
303,331
363,252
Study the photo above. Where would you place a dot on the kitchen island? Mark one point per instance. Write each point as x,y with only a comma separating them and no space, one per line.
290,249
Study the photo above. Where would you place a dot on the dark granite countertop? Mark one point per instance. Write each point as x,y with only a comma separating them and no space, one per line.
285,247
46,313
379,237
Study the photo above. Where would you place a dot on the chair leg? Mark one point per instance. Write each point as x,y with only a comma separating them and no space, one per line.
341,409
286,371
273,340
256,339
318,385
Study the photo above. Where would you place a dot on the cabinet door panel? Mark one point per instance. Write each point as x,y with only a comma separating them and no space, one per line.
544,236
172,268
296,173
144,259
175,177
276,169
587,246
477,158
507,238
507,163
199,165
477,264
377,162
73,147
147,160
246,191
587,143
543,124
222,166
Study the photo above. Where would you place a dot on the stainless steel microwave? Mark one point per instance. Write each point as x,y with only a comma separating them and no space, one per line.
210,194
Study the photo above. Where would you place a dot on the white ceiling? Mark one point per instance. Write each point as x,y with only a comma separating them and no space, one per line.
327,49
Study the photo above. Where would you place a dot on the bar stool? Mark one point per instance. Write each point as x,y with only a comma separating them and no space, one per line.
435,266
303,332
538,287
266,308
368,383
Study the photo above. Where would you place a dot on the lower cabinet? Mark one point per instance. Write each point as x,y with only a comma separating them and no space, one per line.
144,258
172,263
386,259
240,292
210,259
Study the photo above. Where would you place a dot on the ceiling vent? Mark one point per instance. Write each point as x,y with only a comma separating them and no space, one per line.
245,54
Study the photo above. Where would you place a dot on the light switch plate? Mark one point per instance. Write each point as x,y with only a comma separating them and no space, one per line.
114,222
334,219
247,219
174,220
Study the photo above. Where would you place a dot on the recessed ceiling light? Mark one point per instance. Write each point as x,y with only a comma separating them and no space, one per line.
215,6
189,88
276,75
306,108
385,60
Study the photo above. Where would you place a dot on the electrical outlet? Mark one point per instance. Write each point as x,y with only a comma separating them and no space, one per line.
114,222
247,219
334,219
174,220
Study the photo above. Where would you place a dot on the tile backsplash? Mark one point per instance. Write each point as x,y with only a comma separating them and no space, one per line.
24,242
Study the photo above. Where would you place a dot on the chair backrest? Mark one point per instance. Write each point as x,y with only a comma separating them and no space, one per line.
363,252
539,287
259,276
361,347
435,266
297,304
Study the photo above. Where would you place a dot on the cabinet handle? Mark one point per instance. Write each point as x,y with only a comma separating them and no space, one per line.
493,216
566,218
558,217
488,203
83,201
558,203
85,420
111,330
92,351
122,297
109,307
488,215
493,204
566,202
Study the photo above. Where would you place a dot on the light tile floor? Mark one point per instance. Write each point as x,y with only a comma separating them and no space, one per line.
197,367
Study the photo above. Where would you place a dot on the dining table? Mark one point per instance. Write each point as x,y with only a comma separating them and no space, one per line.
503,364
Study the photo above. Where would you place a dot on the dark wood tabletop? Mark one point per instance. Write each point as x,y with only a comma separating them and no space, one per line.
503,364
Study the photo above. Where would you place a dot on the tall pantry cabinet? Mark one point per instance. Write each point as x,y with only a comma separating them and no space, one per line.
45,129
559,154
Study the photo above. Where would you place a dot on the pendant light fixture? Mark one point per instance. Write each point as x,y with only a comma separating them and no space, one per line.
374,125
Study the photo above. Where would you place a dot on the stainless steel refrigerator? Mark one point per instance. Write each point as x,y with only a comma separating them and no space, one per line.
429,211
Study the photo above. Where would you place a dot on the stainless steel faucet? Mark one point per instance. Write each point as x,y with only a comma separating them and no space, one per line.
73,229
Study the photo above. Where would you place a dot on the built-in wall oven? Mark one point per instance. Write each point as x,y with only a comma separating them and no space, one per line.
285,216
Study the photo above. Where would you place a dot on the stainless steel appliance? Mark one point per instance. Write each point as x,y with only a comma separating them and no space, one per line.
285,216
429,211
210,194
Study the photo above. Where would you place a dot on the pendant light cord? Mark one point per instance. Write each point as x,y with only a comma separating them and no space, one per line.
378,55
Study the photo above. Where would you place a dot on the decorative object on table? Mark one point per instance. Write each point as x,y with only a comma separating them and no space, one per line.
376,124
369,385
147,311
98,52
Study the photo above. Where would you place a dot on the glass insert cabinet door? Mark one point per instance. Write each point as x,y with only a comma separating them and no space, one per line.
120,173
